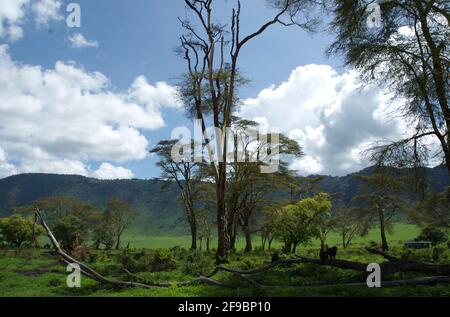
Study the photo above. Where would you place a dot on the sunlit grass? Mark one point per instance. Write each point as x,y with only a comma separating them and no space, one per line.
401,232
38,273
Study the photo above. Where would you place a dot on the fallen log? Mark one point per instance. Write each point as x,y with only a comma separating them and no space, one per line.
84,269
393,266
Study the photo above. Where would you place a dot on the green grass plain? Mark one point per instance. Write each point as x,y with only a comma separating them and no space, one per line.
401,232
37,273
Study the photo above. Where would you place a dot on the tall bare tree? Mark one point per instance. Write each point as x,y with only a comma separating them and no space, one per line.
212,51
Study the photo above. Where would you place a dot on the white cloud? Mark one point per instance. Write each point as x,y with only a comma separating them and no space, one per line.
47,10
79,41
157,95
6,168
329,114
108,171
56,120
13,13
54,166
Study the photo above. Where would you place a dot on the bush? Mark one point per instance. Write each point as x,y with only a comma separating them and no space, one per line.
196,264
435,236
435,254
148,261
18,230
163,260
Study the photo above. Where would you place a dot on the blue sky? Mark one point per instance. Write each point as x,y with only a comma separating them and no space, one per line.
138,38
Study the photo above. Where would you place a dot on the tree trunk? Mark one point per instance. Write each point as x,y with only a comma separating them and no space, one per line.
447,158
248,240
118,242
294,249
384,243
270,243
222,243
231,236
287,247
208,241
193,233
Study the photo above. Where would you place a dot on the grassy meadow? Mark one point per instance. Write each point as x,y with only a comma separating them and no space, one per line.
401,232
27,272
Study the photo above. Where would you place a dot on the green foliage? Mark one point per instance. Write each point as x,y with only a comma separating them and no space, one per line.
70,231
119,216
196,264
380,200
102,233
299,223
435,236
71,220
414,67
148,260
18,230
437,254
434,211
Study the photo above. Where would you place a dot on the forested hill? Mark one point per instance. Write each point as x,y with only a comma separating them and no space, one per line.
160,210
348,186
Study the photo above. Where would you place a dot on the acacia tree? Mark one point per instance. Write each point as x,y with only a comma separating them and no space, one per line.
299,223
434,211
380,199
73,221
205,227
408,54
267,229
212,52
248,188
121,215
349,225
182,173
17,230
103,232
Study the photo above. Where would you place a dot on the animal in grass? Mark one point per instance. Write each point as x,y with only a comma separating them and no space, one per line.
323,254
275,256
332,252
328,254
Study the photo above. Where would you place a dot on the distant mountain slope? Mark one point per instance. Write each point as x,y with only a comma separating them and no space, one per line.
348,186
160,210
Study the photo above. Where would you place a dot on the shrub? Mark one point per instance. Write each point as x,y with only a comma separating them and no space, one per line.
163,260
196,264
18,230
434,254
148,261
435,236
180,252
